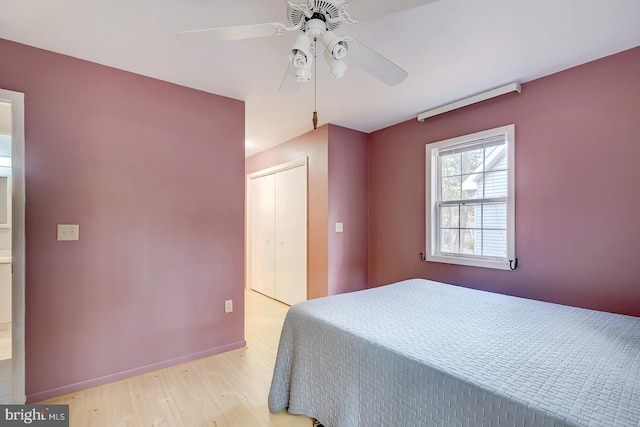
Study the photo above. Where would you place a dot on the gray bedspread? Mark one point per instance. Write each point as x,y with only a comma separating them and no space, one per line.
422,353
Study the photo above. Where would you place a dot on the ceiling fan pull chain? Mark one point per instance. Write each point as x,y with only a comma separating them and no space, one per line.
315,84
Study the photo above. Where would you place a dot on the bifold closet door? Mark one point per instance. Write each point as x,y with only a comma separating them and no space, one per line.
262,216
291,235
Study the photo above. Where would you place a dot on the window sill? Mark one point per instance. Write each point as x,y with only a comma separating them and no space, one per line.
471,262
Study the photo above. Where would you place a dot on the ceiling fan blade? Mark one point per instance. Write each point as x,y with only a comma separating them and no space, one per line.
232,33
374,63
289,83
364,10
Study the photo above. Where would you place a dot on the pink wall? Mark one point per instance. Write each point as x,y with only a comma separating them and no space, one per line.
577,194
314,146
153,174
348,203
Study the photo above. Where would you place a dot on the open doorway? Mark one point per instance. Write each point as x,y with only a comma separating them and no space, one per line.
5,253
12,197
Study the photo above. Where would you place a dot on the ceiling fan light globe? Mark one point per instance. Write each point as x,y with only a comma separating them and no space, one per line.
298,59
300,51
337,67
339,50
338,46
303,74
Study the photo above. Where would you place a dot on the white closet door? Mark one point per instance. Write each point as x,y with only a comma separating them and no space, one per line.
262,217
291,235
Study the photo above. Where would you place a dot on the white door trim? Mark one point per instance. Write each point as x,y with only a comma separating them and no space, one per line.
278,168
17,244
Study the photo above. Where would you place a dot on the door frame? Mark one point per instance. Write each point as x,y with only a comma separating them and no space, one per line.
16,99
304,161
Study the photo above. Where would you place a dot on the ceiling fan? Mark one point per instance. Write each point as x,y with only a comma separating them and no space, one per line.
317,20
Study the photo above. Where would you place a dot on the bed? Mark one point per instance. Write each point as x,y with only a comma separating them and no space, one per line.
423,353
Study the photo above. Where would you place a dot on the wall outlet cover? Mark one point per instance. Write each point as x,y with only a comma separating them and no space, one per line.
68,232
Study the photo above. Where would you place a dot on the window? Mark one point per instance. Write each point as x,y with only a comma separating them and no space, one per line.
470,199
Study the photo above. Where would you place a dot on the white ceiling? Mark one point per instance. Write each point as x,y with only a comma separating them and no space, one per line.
451,49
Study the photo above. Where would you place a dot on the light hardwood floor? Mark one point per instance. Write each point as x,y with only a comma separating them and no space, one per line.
228,389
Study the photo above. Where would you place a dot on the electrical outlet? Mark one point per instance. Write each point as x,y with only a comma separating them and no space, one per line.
228,306
68,232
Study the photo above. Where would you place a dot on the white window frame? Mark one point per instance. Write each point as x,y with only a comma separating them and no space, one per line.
432,201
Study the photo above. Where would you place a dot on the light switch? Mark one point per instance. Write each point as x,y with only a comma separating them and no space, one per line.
68,232
339,227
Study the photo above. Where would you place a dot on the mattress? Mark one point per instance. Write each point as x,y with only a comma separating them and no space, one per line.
423,353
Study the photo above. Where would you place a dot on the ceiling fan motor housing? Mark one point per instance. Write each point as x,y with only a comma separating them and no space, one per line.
324,10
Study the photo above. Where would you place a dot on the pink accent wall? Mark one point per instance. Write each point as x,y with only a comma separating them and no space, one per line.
577,189
153,174
337,190
348,203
